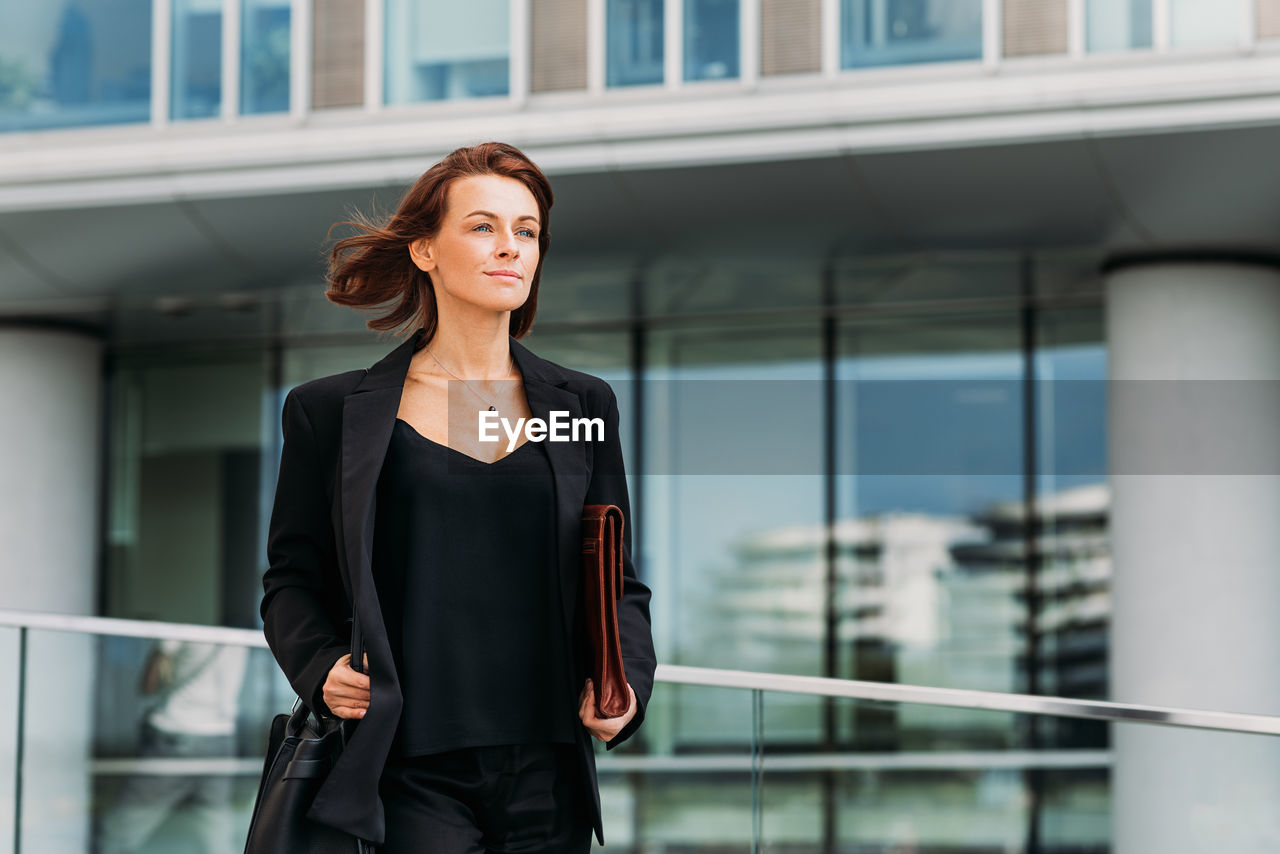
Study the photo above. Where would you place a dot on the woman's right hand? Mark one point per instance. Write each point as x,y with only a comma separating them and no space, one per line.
346,692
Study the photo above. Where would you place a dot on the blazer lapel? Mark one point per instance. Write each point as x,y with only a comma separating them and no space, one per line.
545,392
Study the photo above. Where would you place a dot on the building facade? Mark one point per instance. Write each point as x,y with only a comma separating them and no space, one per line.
902,300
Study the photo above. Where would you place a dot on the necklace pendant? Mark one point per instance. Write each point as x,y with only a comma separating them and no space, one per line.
493,408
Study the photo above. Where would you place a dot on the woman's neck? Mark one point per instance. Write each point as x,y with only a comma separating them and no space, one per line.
473,353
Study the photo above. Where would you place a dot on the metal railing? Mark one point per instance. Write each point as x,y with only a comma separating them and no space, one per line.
622,769
850,689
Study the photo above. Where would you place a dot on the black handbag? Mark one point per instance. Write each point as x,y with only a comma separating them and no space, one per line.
301,749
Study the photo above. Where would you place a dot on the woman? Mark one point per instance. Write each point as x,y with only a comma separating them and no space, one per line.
461,558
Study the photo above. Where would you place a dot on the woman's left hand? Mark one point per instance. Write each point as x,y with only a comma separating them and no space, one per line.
602,728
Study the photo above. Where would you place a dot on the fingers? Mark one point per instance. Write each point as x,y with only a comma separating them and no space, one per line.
346,707
602,729
347,676
587,708
345,694
345,691
343,674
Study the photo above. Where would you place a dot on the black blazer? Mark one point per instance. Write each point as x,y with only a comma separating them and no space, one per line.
320,544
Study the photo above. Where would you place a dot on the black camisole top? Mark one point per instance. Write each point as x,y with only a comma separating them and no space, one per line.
465,567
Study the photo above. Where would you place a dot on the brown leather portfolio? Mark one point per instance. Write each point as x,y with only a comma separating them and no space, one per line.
602,588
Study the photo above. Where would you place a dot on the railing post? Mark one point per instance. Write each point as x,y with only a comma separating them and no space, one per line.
21,740
757,760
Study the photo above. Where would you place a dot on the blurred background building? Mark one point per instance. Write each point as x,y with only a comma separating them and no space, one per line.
940,263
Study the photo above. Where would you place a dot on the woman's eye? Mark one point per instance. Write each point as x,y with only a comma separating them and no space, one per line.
533,235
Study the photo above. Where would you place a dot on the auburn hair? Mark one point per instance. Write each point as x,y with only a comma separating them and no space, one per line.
373,268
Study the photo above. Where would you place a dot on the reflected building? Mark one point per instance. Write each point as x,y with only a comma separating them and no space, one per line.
769,609
928,600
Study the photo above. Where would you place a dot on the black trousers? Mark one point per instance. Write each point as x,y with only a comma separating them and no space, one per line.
474,800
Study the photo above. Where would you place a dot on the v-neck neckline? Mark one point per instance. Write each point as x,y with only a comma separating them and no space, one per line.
512,453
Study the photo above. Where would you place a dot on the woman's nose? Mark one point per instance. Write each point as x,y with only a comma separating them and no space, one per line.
507,248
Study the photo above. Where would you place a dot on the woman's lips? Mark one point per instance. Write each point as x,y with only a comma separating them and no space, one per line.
510,277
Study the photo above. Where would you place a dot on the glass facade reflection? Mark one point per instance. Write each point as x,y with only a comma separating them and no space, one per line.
710,39
196,59
74,63
933,795
264,56
727,422
898,32
186,503
1070,568
930,434
714,396
634,42
436,51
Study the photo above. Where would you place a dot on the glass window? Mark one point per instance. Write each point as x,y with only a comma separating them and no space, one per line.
578,288
897,32
918,278
929,459
1118,24
710,39
147,705
715,281
731,503
633,42
944,799
74,63
264,56
187,476
196,59
1073,575
1204,23
441,50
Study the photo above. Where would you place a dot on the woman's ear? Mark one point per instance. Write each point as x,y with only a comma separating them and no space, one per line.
420,252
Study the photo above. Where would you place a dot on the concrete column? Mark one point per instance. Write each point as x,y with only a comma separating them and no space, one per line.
50,461
1195,530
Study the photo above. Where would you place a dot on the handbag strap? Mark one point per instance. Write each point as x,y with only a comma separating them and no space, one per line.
357,644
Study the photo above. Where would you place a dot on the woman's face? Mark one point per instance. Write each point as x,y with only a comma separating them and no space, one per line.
486,249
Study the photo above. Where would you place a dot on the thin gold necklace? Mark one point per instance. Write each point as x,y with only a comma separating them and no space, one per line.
492,408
